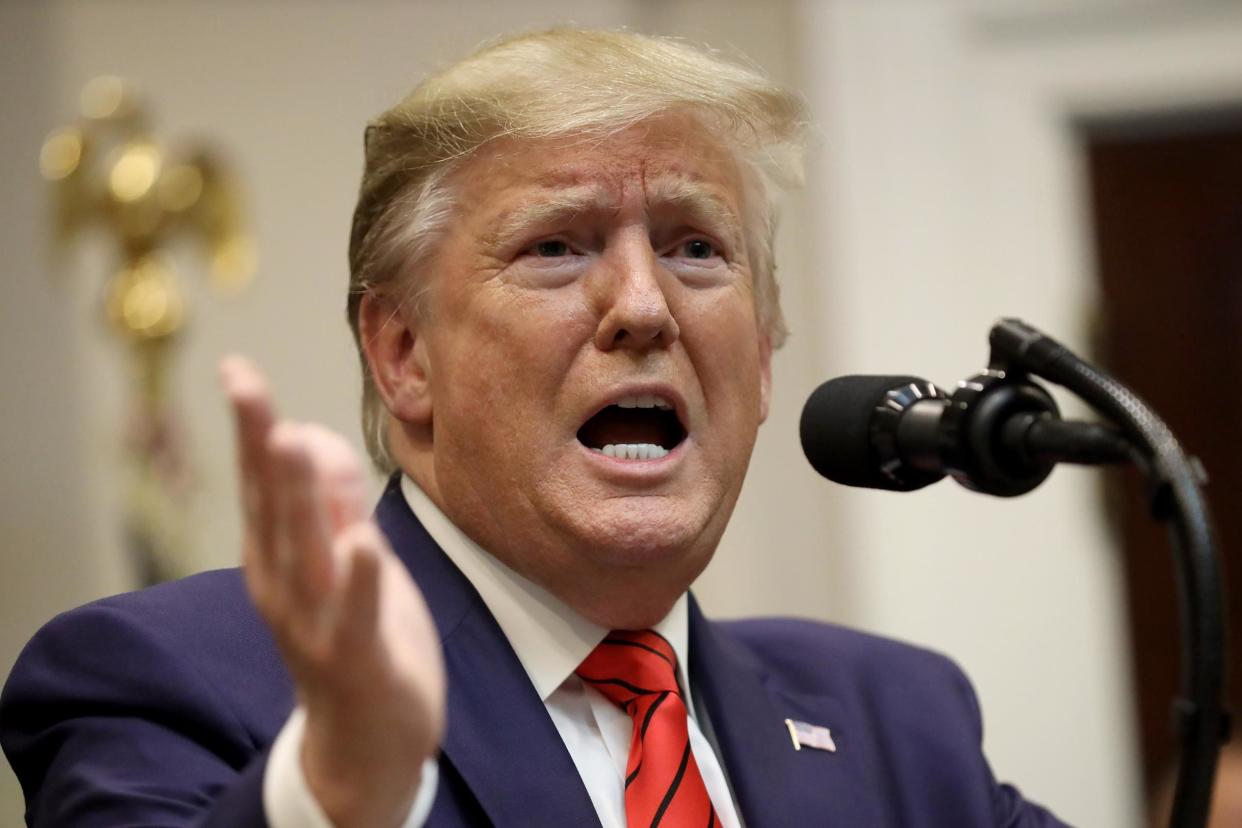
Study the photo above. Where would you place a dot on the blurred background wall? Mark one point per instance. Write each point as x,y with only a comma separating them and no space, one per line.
946,189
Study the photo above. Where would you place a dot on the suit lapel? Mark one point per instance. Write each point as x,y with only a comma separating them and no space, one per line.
499,738
775,784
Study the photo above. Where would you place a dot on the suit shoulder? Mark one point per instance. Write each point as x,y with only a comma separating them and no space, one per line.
200,609
145,707
794,638
222,588
208,616
811,656
196,642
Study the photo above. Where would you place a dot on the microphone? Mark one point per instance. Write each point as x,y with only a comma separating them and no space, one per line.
995,434
1000,433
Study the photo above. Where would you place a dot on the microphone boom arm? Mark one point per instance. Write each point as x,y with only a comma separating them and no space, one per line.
1176,498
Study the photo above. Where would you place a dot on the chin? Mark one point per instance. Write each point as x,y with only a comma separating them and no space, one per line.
627,535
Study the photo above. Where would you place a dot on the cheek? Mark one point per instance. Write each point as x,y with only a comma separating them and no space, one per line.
531,350
533,322
507,363
725,344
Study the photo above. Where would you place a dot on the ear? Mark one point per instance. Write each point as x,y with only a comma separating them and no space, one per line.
396,354
765,376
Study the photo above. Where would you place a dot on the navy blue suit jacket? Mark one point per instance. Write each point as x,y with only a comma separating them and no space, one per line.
158,708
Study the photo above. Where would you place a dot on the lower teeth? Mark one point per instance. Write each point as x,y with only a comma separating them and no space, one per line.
633,451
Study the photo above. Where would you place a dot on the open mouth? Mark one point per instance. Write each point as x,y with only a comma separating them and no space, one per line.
641,427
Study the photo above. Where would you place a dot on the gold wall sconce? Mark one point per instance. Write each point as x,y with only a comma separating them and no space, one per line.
109,173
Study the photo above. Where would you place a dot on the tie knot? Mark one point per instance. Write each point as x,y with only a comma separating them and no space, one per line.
629,664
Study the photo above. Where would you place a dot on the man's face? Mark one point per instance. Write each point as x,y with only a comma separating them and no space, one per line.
592,294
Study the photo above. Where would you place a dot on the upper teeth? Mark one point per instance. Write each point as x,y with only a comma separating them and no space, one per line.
644,401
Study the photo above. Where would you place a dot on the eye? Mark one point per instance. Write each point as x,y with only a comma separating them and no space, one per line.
697,249
550,249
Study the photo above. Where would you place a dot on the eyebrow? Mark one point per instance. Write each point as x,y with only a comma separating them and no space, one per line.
554,206
698,200
562,205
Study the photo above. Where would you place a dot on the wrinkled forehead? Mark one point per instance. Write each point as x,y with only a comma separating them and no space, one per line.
671,160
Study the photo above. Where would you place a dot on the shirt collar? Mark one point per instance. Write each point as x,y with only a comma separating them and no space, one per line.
549,638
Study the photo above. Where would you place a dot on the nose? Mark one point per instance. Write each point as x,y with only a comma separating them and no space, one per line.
635,309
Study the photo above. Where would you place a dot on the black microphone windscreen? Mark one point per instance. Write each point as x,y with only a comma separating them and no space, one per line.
836,429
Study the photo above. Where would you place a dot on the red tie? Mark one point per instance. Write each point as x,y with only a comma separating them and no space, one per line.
637,671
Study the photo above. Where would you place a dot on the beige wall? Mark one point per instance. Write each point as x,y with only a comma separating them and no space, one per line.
953,195
942,195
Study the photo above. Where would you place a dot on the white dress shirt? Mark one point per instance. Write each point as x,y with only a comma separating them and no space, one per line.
550,640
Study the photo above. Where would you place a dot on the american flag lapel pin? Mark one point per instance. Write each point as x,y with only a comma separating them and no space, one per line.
812,736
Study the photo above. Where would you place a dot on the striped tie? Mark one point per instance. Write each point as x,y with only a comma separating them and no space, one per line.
637,671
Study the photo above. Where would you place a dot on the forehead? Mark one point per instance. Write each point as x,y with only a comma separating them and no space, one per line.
671,158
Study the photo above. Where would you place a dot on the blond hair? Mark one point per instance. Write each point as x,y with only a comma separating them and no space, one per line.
559,82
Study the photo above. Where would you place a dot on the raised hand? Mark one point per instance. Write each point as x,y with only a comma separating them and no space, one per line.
349,622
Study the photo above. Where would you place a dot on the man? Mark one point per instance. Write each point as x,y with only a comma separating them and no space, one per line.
563,295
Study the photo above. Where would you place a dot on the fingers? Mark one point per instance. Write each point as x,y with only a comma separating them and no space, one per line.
248,393
339,475
357,621
301,487
321,492
314,560
302,539
253,416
